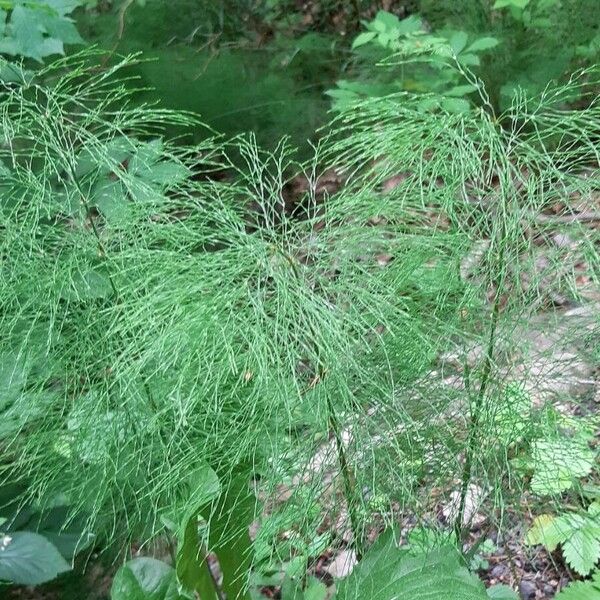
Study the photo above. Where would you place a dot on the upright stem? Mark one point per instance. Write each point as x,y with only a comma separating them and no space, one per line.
477,409
349,488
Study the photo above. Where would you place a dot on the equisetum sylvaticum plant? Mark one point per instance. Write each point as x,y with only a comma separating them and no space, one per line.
178,346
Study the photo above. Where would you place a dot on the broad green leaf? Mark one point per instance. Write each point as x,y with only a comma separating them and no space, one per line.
111,200
29,559
558,462
88,285
483,43
192,569
461,90
363,38
458,41
26,32
229,536
315,590
385,21
64,7
201,487
510,3
60,29
469,60
145,579
291,589
502,592
197,489
456,105
412,24
148,165
38,30
387,572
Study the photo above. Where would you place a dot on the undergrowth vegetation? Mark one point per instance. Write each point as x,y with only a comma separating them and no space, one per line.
219,364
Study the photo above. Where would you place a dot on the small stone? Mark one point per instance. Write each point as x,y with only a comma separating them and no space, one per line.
527,589
548,589
498,571
342,564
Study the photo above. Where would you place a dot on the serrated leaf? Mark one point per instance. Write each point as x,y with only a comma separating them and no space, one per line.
582,590
558,462
549,531
387,572
28,558
582,551
26,33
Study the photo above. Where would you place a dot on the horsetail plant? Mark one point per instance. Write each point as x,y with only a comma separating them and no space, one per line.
178,345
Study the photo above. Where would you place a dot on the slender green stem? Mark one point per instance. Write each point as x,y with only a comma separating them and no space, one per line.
477,409
349,488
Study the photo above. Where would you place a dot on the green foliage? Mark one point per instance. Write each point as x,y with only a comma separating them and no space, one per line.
531,45
177,342
541,40
145,579
561,454
28,558
37,543
577,533
582,590
37,29
429,63
387,572
502,592
558,463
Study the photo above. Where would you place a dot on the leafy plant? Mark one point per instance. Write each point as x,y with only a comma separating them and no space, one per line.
177,344
577,533
145,579
582,590
561,455
387,572
29,558
36,545
495,42
38,29
424,62
541,41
